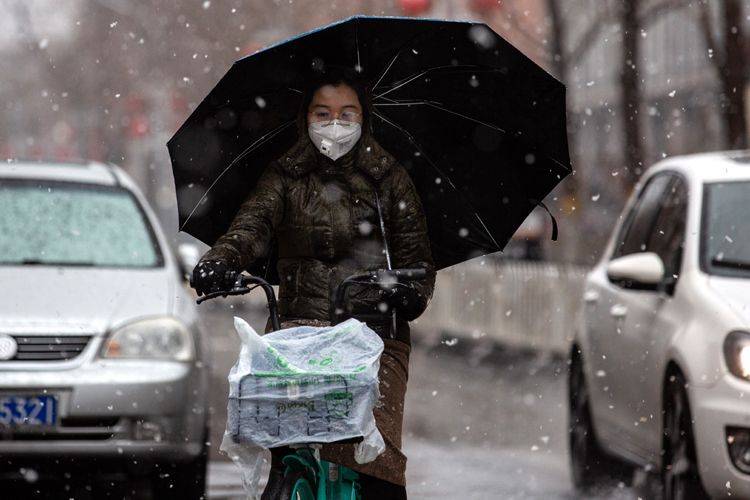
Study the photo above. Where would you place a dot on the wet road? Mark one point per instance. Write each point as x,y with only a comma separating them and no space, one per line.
480,423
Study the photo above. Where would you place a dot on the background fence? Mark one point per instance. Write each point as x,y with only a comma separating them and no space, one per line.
516,303
521,304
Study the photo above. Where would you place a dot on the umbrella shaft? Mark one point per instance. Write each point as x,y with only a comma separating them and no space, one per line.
387,255
382,231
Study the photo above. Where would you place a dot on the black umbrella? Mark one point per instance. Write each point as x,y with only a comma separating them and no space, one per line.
478,125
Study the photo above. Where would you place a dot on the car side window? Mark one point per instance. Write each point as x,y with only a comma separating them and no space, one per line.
668,236
635,237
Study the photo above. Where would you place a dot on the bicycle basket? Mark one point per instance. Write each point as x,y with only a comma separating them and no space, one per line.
304,384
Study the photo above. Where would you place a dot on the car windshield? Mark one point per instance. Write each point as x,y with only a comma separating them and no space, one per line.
70,224
726,229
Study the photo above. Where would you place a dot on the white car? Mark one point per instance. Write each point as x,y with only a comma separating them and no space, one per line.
660,364
104,372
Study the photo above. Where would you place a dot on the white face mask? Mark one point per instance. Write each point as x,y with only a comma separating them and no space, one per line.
335,138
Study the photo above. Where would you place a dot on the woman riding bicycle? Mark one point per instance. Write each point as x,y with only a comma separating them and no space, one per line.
319,202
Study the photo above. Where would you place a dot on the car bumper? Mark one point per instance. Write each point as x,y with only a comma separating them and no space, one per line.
177,452
726,404
113,408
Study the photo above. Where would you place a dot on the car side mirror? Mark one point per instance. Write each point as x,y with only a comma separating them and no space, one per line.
643,270
188,256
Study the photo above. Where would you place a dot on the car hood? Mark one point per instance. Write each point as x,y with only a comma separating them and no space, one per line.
80,300
734,292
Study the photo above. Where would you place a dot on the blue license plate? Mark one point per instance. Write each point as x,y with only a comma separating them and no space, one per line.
28,410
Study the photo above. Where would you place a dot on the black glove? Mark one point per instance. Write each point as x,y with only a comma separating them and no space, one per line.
403,298
212,276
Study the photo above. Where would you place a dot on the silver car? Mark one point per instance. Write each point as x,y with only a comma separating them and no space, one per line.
660,366
103,369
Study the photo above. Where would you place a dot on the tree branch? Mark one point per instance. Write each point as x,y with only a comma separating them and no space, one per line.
558,31
586,40
653,12
712,44
511,18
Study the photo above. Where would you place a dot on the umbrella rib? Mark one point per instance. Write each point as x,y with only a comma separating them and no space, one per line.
398,53
386,70
260,141
358,69
407,81
440,172
432,104
434,68
421,150
443,108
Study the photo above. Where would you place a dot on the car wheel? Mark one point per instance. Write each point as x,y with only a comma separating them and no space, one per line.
680,475
184,480
590,465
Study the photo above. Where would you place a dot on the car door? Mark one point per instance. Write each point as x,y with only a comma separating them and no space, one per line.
648,322
606,305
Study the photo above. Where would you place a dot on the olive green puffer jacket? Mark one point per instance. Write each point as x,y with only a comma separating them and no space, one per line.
323,215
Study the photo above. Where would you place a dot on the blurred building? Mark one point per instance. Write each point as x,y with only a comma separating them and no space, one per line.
679,112
112,80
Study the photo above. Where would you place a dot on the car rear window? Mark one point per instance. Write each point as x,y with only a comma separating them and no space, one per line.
725,248
71,224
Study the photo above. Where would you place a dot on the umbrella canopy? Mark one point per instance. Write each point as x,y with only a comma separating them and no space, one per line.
477,124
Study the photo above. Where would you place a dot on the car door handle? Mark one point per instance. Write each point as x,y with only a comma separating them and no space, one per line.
590,296
618,311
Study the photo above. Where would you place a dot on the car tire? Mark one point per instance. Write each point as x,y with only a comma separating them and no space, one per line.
183,480
680,475
591,467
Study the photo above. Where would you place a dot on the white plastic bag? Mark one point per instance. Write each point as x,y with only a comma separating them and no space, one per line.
302,385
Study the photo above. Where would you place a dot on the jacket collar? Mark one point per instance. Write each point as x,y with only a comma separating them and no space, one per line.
370,157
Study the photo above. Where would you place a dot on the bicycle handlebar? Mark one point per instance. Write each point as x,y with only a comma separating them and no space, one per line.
241,287
379,277
372,278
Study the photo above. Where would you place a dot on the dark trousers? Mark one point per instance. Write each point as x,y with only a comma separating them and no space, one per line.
372,487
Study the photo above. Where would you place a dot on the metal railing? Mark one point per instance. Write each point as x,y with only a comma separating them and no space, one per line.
523,304
516,303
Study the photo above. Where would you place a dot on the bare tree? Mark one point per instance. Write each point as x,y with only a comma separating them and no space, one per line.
730,60
631,91
727,49
564,44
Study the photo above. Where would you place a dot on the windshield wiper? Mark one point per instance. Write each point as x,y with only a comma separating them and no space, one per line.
733,264
37,262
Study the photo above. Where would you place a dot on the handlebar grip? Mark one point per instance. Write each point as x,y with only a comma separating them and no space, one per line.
241,287
410,274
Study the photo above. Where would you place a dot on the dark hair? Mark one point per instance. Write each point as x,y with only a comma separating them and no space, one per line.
336,75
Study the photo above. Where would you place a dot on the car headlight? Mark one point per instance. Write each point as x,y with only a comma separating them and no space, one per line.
154,338
737,354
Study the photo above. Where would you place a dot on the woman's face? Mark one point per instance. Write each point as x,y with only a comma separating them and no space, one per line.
334,101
